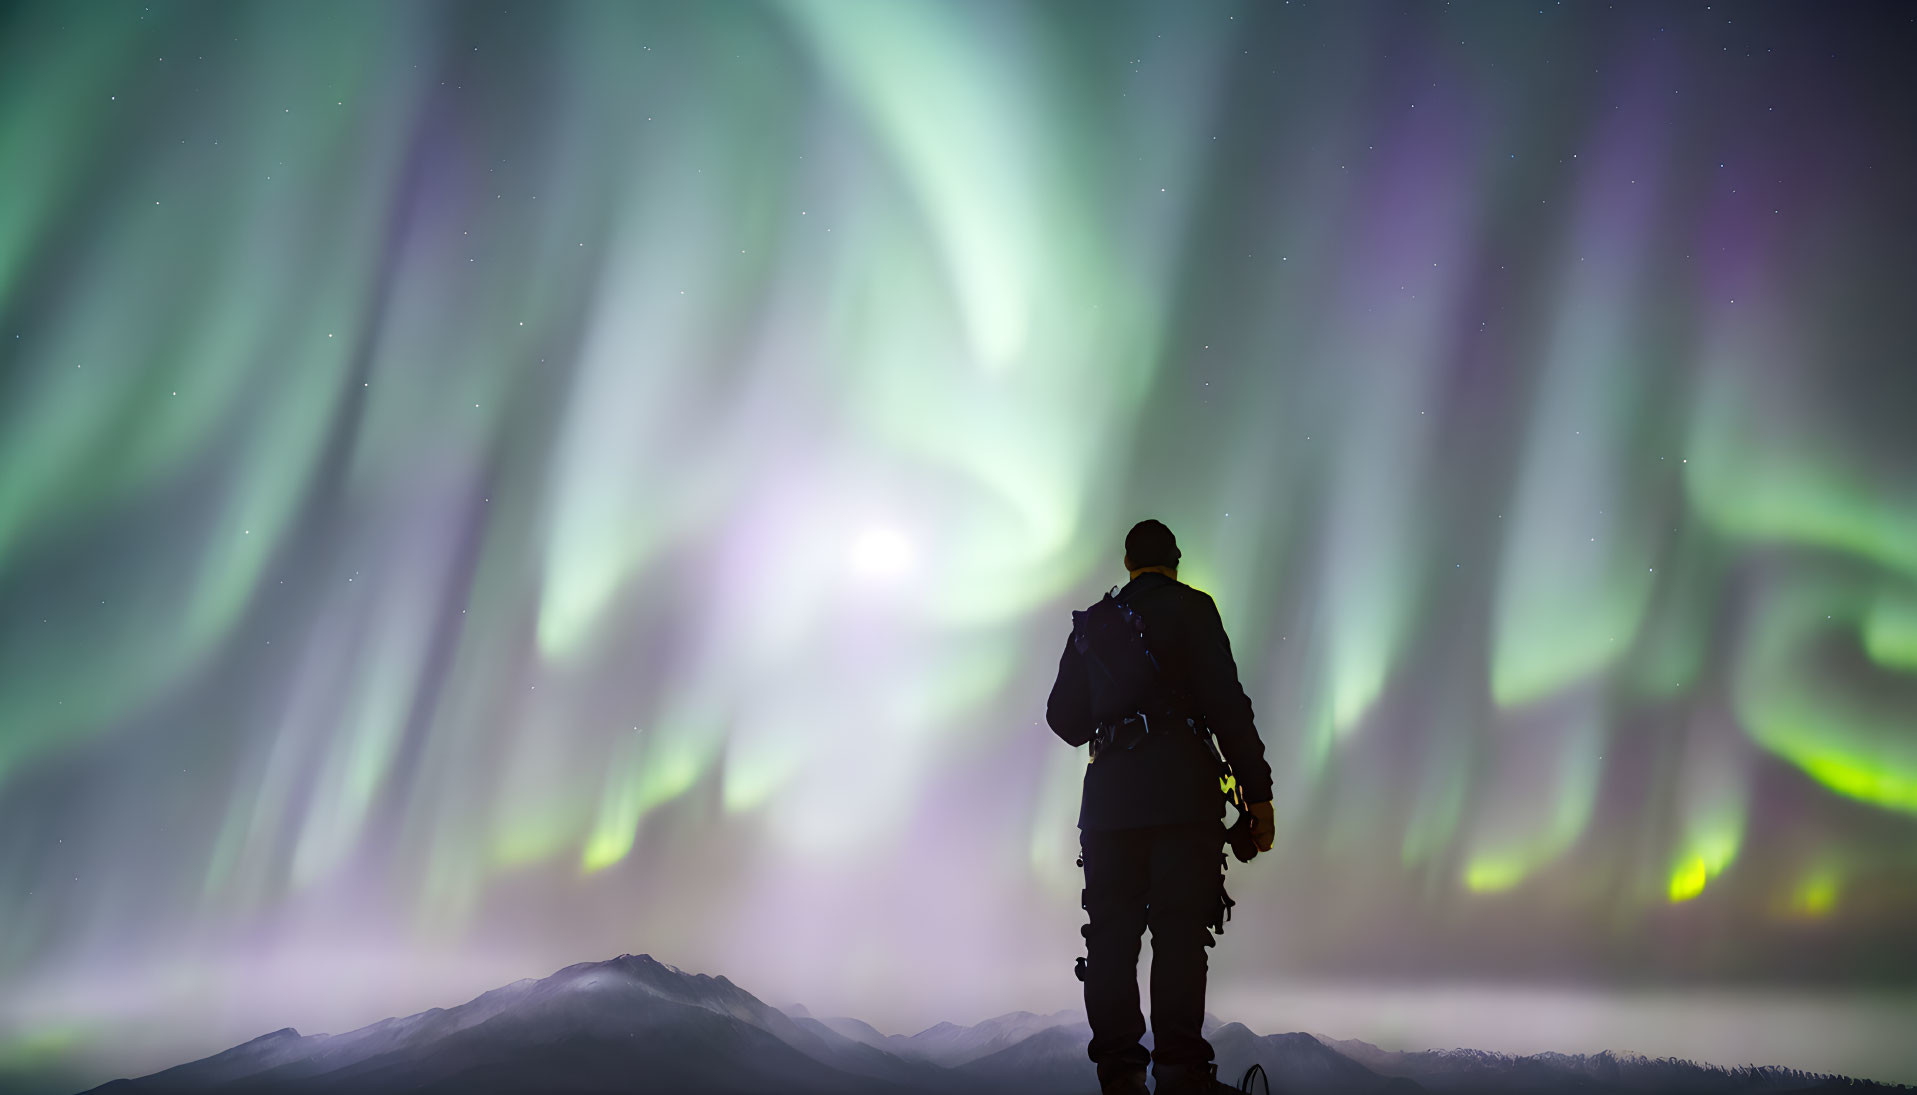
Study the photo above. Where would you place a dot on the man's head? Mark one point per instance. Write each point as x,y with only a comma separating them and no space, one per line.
1150,544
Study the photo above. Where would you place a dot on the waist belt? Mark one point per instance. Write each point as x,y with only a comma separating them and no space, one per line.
1126,731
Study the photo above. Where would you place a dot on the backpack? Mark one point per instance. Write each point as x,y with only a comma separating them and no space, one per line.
1110,636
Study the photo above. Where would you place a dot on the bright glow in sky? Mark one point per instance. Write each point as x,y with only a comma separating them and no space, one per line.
881,554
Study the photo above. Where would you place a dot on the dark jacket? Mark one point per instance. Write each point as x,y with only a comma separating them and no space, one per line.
1170,777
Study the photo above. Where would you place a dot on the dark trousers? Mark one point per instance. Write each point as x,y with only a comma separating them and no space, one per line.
1168,878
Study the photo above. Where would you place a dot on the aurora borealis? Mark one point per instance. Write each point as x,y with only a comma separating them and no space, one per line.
490,486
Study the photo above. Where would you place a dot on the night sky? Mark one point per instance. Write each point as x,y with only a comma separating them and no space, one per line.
488,486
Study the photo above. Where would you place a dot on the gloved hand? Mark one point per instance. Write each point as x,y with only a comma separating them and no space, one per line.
1262,825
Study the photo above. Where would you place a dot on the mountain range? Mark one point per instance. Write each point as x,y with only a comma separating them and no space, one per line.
634,1024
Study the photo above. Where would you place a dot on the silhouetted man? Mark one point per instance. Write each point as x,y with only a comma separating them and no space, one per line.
1150,826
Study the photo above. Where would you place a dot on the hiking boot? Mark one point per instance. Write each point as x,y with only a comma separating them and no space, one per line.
1121,1079
1189,1079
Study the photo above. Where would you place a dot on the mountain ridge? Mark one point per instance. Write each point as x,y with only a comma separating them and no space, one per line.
635,1023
